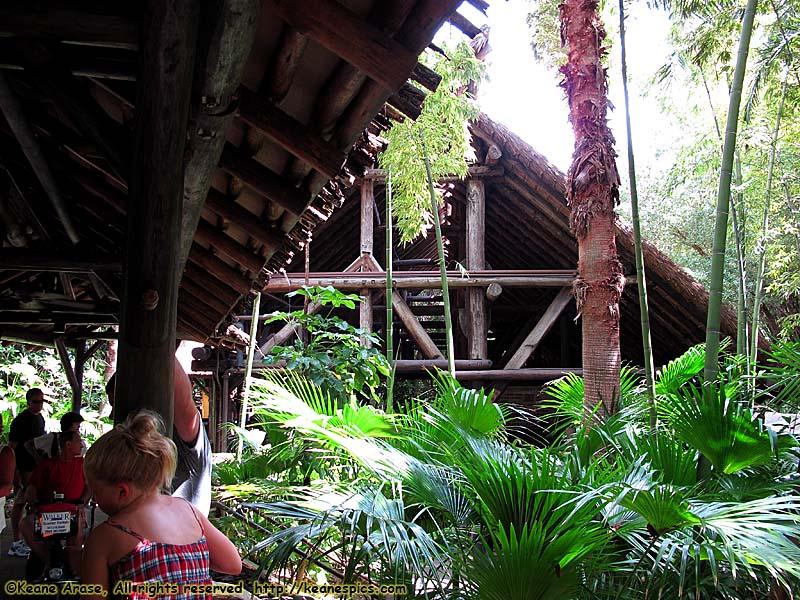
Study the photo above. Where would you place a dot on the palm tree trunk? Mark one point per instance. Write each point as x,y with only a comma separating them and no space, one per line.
641,278
723,199
762,262
592,193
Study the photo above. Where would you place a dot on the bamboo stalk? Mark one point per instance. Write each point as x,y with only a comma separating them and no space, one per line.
723,196
249,370
389,307
759,283
641,280
448,321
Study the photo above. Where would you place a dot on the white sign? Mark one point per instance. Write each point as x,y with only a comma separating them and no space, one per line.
54,523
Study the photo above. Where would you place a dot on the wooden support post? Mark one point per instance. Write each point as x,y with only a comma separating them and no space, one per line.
540,329
476,299
367,229
145,377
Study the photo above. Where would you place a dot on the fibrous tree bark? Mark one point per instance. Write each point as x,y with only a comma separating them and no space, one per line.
592,193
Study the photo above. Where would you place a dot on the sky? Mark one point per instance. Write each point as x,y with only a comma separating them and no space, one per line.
524,95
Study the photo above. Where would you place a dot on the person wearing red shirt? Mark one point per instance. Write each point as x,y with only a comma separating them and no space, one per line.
60,475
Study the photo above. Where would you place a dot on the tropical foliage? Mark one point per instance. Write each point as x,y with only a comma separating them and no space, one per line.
22,368
439,133
446,500
330,352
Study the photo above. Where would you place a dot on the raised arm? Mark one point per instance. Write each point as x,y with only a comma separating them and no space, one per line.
186,416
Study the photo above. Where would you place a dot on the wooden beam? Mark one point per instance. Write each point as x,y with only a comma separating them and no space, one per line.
464,24
228,28
408,100
23,259
417,332
493,155
516,374
476,300
208,234
149,305
55,318
426,77
23,132
420,280
540,329
481,5
292,135
281,72
243,219
285,333
473,172
418,366
263,180
217,267
71,26
347,35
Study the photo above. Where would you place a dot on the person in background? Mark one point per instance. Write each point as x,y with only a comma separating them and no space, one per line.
27,425
192,479
47,445
61,474
149,536
7,467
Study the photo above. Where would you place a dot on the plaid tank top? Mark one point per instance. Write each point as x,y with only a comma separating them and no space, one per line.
151,562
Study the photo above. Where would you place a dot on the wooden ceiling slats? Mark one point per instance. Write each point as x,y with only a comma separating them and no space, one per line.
240,217
347,35
82,61
382,40
73,97
24,259
219,268
290,133
208,234
210,283
71,26
263,180
554,241
215,303
200,311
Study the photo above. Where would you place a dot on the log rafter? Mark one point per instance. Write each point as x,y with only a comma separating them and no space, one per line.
290,133
372,51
